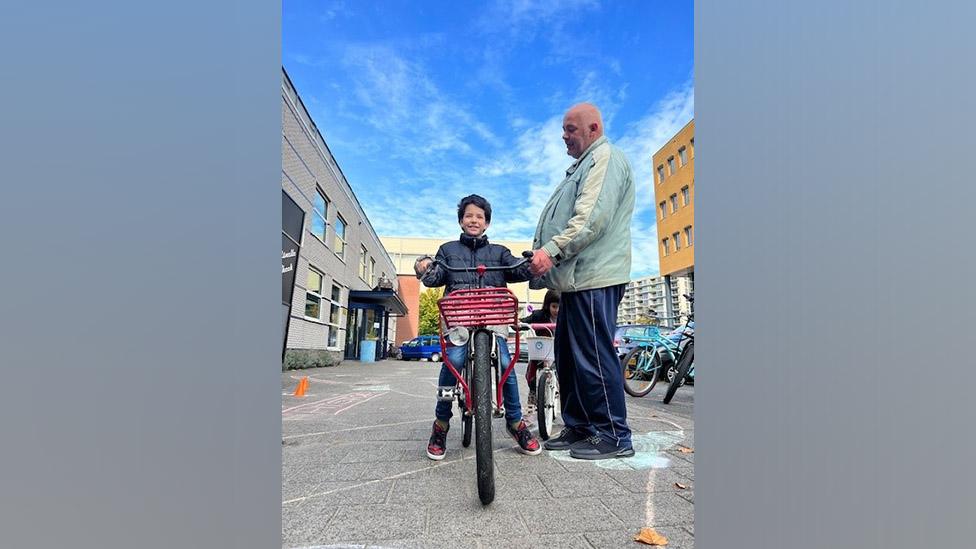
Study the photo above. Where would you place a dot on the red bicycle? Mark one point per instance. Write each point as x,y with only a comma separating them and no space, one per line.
467,316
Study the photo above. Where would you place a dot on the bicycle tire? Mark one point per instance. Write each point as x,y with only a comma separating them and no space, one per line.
639,354
545,403
482,416
684,364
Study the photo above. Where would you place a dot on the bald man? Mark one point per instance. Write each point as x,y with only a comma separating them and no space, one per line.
582,250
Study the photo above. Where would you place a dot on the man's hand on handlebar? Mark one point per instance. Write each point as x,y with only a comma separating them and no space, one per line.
541,262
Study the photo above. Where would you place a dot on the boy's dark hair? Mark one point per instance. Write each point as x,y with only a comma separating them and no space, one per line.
478,201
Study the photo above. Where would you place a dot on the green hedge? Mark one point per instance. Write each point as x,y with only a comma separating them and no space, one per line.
299,359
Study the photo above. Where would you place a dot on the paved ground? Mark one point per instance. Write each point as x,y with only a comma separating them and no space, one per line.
355,473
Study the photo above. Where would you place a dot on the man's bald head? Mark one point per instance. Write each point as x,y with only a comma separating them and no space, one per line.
582,125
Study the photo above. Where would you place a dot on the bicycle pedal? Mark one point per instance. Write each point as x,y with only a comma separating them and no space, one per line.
447,393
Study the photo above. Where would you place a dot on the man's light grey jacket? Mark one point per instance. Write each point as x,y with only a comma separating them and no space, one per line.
585,226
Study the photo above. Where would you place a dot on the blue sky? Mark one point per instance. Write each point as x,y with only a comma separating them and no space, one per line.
425,102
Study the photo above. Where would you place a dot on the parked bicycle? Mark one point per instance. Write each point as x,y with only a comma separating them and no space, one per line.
467,315
654,358
686,360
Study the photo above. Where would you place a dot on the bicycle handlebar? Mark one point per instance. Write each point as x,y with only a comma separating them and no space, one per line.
527,255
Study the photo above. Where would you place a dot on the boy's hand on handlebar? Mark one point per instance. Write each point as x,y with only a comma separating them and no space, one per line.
421,266
541,262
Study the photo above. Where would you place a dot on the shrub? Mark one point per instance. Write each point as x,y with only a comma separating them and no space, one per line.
299,359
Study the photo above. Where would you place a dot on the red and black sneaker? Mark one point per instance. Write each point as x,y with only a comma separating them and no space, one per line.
437,446
527,444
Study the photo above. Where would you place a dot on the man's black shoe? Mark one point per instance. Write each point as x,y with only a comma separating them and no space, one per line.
567,437
597,448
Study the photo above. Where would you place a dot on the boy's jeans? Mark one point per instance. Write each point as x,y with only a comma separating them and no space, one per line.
457,356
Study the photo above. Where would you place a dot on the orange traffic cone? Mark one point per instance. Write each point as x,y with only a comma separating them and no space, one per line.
302,387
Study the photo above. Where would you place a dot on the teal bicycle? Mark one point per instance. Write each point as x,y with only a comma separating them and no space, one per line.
655,357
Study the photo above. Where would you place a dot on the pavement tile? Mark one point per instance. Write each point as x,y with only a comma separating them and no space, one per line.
317,472
654,509
448,491
562,541
302,525
678,538
470,519
351,493
581,484
428,542
522,490
570,515
358,522
650,480
688,495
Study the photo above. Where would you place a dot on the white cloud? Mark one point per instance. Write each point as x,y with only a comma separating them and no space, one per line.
647,135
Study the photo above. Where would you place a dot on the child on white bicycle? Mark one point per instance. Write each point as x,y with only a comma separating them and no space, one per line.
470,250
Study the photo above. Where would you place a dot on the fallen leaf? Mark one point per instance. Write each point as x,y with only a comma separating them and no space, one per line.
649,537
685,450
679,485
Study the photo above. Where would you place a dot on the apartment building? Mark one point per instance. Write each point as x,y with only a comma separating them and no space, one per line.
644,298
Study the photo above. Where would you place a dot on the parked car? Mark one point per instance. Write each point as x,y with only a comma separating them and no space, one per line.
622,339
425,346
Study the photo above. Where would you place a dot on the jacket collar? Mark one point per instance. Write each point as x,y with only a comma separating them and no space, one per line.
601,140
474,242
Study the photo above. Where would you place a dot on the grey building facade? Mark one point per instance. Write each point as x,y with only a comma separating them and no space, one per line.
343,281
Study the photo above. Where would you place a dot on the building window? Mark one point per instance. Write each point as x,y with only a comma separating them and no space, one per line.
692,147
313,294
664,209
340,236
666,245
689,236
660,174
685,196
335,316
670,165
372,272
362,262
674,203
320,213
677,241
682,156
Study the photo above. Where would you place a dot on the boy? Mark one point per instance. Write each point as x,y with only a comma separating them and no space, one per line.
471,250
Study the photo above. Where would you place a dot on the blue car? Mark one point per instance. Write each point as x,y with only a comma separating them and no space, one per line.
425,346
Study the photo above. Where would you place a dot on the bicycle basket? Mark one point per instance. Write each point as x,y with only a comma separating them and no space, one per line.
479,307
540,348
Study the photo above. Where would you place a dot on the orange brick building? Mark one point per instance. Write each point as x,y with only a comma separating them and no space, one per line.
674,194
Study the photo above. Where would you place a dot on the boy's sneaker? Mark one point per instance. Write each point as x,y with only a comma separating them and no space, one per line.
437,446
527,444
567,437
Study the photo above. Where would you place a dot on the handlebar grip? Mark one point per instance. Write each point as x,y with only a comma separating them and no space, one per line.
527,254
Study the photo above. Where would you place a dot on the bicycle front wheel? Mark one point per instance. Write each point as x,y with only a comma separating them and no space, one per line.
684,365
547,403
640,367
482,416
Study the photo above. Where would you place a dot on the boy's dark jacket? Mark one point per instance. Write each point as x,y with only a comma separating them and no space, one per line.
469,251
